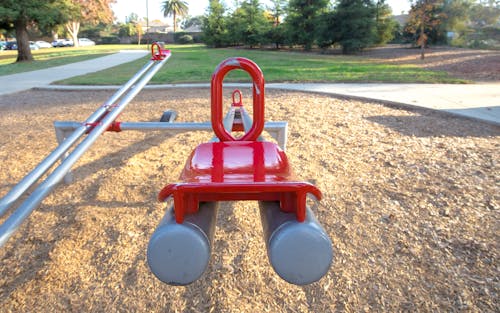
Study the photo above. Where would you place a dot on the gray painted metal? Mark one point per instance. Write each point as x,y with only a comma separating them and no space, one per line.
300,253
64,146
15,220
280,133
278,130
178,254
168,116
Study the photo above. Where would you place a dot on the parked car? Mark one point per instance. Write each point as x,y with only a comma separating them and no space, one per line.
43,44
67,43
34,46
62,43
11,45
86,42
57,43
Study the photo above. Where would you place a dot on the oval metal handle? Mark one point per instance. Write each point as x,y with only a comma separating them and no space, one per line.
258,98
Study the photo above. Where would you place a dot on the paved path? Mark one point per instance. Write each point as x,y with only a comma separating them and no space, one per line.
40,78
478,101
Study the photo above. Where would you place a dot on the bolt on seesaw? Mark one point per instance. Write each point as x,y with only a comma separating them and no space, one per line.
227,168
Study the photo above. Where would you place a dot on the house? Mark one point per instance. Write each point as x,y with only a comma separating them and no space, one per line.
155,26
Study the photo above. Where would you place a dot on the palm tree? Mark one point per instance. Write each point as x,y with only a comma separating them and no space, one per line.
174,7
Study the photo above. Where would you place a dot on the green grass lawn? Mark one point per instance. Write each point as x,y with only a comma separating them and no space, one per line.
45,58
196,63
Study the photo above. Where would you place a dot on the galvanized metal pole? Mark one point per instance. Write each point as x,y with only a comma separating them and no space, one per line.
52,158
8,228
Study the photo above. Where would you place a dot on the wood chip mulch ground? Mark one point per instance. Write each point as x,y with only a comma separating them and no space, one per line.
411,202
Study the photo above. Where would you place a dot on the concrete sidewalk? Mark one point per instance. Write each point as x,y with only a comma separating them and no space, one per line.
479,101
40,78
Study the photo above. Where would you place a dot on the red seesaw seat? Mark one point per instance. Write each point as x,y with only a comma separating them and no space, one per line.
238,169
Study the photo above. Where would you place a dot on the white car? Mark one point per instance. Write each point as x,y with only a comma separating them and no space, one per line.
67,43
85,42
33,46
62,43
43,44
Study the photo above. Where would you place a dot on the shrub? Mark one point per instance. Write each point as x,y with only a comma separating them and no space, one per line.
109,40
185,39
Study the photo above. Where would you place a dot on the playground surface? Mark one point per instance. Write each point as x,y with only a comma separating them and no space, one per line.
410,202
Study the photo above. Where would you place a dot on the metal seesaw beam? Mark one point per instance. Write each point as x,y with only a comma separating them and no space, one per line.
8,228
82,128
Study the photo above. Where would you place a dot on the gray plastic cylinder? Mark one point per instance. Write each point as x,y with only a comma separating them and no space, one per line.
300,253
178,254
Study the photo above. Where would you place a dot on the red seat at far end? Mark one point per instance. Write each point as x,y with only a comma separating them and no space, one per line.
238,170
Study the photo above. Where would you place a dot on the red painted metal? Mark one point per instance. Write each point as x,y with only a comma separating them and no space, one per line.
237,107
238,169
258,98
115,127
238,120
158,52
240,98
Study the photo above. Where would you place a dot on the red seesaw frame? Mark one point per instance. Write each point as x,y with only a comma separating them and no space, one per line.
238,169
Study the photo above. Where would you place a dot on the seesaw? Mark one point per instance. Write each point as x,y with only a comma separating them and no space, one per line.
227,168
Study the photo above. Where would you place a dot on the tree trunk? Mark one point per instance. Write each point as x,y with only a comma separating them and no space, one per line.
138,29
73,28
423,40
55,36
23,43
175,27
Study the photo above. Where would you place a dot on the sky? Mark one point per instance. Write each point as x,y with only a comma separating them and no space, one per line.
123,8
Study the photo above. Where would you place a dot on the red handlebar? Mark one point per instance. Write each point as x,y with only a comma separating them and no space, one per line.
240,99
258,98
160,53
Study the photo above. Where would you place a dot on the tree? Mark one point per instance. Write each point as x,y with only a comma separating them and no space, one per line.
19,14
87,11
131,27
384,23
303,16
277,9
248,24
132,18
326,33
127,30
235,27
276,34
424,17
192,21
215,32
457,19
139,32
485,13
175,8
354,24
